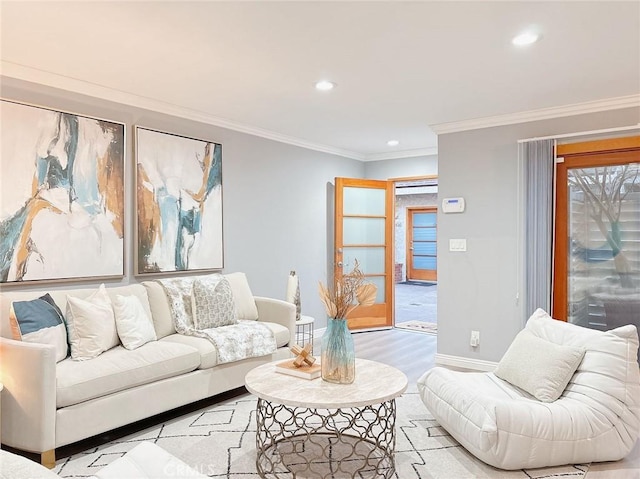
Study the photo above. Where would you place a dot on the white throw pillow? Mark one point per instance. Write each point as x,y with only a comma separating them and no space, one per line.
212,303
91,325
538,366
134,326
242,295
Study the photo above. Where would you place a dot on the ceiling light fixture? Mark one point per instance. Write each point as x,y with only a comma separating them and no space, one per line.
325,85
526,38
393,142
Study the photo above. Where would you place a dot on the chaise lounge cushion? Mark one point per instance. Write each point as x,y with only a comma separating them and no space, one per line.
208,354
118,369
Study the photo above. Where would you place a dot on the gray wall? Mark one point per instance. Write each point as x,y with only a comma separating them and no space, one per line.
477,289
274,195
401,167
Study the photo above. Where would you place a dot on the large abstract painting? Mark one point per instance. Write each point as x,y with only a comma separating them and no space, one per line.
61,195
179,203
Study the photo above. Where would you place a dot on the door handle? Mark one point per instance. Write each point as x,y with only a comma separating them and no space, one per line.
339,263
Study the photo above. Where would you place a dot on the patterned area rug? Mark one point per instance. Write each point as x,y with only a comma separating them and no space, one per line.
219,441
422,326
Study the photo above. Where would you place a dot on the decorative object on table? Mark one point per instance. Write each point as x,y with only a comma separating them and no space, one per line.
303,365
62,205
293,292
179,203
305,371
338,355
303,355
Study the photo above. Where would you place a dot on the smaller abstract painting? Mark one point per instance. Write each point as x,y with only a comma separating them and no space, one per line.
61,195
179,203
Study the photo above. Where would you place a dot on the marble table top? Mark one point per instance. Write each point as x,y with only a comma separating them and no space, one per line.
375,383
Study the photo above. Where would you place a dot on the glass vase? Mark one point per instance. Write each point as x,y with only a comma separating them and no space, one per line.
338,354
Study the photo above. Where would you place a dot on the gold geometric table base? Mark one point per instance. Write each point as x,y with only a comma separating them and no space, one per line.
305,443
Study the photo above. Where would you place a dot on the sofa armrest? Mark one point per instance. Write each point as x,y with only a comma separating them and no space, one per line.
277,311
28,374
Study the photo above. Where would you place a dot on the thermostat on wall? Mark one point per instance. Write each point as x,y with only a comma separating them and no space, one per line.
453,205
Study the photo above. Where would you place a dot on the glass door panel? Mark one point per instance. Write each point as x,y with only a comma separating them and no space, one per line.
364,222
422,225
603,265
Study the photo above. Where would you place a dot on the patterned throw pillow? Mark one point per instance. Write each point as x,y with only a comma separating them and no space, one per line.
212,303
39,321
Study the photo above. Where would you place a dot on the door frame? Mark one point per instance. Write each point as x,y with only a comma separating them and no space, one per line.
409,238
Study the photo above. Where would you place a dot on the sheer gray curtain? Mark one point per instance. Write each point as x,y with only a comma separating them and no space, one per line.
538,166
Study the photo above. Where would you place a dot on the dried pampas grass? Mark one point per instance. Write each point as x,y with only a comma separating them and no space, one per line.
350,291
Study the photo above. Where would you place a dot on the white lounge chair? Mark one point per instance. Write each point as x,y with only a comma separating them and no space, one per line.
596,418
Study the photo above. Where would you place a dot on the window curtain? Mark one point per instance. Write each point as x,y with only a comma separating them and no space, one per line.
538,160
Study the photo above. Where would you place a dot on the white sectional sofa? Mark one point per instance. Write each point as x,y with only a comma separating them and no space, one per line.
46,405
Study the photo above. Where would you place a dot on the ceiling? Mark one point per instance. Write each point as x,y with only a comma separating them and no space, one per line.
402,68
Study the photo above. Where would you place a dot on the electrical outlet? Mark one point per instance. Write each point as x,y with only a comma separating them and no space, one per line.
475,339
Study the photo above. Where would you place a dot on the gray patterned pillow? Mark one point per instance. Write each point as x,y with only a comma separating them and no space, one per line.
212,303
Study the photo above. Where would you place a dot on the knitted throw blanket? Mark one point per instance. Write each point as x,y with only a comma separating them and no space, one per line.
246,339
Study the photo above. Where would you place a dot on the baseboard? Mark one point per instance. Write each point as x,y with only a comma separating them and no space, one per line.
465,363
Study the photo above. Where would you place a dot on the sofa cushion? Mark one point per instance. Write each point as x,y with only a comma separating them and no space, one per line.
206,350
208,354
160,309
40,321
242,296
118,369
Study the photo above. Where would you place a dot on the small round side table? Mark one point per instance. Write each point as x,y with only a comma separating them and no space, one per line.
304,331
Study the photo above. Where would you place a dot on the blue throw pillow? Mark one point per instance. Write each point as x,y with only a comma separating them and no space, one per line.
40,321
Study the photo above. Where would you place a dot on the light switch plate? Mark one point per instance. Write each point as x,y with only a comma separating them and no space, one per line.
459,244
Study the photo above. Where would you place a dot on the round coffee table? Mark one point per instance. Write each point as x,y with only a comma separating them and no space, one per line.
313,428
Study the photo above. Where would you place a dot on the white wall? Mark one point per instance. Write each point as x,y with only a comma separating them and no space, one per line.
401,167
477,289
275,204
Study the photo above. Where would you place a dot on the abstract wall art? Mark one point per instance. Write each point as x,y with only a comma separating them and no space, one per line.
61,195
179,203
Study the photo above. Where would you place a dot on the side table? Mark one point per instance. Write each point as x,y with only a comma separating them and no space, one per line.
304,331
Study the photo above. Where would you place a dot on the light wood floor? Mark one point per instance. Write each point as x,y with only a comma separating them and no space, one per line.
414,353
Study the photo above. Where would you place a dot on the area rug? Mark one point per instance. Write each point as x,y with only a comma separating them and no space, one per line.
219,441
422,326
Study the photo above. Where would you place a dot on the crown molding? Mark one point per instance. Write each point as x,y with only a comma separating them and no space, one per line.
431,151
25,73
617,103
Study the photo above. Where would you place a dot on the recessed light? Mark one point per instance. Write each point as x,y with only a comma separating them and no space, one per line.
393,142
325,85
526,38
